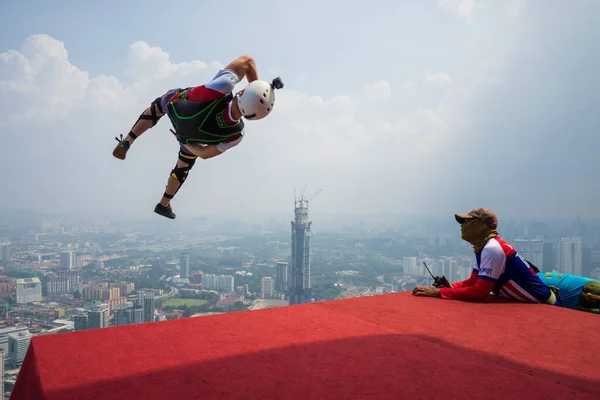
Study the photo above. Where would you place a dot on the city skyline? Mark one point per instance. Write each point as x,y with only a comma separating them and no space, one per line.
109,275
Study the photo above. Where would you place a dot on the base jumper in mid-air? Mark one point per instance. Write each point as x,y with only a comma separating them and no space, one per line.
207,119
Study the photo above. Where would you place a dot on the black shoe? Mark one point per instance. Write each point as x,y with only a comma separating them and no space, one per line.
164,211
121,150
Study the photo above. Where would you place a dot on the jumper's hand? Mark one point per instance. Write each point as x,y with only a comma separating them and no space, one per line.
426,291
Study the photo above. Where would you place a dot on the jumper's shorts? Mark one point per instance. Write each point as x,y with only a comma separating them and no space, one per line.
164,99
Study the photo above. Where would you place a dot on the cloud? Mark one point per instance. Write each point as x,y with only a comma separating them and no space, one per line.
470,43
409,88
462,8
377,91
80,114
515,9
151,64
41,81
374,143
437,78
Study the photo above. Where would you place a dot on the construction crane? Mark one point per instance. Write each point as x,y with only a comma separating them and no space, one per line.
313,196
301,201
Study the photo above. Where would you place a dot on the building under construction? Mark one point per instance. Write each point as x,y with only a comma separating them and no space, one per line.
299,280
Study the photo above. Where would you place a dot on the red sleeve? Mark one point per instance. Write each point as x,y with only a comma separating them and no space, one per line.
202,93
477,292
467,282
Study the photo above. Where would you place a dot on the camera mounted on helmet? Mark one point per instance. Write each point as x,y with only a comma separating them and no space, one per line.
277,83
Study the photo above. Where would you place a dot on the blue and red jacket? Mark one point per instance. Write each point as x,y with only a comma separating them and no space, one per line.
501,270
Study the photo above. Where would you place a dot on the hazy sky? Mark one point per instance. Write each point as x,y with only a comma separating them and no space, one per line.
423,106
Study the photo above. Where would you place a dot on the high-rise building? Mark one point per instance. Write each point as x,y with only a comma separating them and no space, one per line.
184,265
222,283
267,285
102,292
587,266
147,302
410,265
257,229
18,343
67,259
570,256
2,360
97,317
80,322
127,314
171,266
299,282
112,303
454,271
281,277
29,290
464,271
442,268
549,256
4,249
4,332
124,287
56,283
531,250
63,281
242,290
159,266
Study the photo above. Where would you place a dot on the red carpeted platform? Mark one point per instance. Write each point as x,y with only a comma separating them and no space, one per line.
382,347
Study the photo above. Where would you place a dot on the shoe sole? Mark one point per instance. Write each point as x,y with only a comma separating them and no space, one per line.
166,216
119,153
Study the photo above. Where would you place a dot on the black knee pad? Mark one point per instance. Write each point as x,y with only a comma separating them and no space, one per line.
187,158
153,117
181,173
156,103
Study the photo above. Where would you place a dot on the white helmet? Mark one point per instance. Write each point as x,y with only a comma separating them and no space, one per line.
256,101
